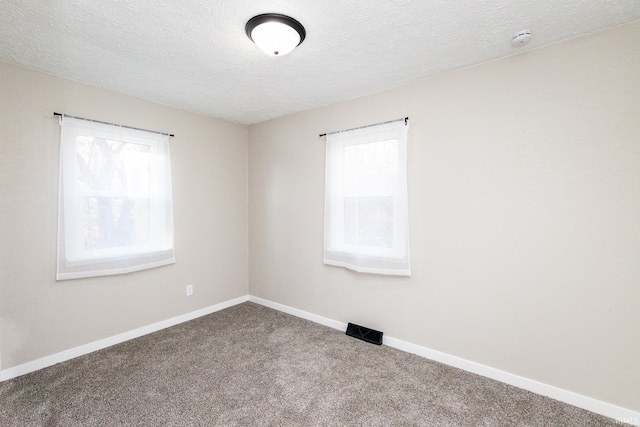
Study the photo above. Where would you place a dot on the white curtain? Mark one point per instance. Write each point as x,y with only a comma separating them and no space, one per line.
115,212
366,207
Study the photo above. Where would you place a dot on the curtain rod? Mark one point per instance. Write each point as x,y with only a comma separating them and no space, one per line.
112,124
406,119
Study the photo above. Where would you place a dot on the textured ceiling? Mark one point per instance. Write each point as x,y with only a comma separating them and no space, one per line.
194,54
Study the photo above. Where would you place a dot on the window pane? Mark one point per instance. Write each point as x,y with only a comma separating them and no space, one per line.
368,221
371,168
111,222
113,166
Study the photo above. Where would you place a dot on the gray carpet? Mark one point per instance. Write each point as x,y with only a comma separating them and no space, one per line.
252,366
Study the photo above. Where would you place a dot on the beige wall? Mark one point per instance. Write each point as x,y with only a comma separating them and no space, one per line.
39,316
524,186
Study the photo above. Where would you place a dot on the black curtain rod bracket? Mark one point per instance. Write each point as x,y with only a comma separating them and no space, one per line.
406,120
112,124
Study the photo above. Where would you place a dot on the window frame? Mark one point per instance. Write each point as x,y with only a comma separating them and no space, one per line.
338,252
74,259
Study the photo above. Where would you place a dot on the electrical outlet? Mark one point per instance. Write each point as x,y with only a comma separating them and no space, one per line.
189,290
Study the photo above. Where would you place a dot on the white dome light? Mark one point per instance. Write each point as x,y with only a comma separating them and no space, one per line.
275,34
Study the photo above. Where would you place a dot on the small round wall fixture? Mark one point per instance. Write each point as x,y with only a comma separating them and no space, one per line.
274,33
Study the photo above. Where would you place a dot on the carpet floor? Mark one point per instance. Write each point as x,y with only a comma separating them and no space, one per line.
249,365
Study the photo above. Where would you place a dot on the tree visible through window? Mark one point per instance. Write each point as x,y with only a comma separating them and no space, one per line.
122,171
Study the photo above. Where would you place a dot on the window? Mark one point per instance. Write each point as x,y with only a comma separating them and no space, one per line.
115,205
366,215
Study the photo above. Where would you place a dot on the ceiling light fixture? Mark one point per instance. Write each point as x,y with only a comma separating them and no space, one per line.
274,33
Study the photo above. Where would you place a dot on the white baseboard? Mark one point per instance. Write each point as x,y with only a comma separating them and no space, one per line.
113,340
612,411
300,313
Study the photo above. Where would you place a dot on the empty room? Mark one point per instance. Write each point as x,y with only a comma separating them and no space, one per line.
372,213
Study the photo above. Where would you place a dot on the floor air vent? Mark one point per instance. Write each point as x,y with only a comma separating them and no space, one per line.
364,334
